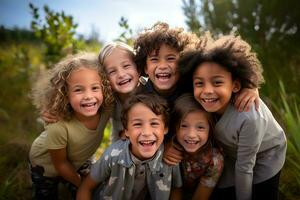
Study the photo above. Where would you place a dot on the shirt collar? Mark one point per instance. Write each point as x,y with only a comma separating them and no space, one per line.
154,164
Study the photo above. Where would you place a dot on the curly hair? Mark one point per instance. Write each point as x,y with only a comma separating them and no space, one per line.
157,104
160,33
229,51
50,92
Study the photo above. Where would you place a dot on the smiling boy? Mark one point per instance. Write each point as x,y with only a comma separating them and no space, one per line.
133,168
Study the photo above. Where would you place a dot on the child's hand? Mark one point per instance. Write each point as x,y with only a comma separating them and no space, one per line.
171,155
48,118
245,98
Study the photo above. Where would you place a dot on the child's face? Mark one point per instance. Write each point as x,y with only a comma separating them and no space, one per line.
162,69
193,131
121,71
145,130
213,87
85,92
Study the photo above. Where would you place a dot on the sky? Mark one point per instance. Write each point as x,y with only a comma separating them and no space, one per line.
99,15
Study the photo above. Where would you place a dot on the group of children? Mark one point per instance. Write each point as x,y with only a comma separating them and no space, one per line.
176,134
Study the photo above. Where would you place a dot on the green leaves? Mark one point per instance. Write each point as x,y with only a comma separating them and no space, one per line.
57,31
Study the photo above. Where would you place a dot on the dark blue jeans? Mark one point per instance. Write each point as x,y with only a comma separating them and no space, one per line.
261,191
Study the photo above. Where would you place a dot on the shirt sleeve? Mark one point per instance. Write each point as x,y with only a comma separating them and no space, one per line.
57,136
214,170
176,177
101,170
250,138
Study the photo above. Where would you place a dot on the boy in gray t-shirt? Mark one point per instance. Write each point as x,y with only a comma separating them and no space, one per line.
133,168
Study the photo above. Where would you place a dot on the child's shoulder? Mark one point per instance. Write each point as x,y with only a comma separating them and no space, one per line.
118,149
62,124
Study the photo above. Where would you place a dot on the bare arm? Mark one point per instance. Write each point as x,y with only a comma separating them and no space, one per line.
245,99
86,188
202,193
64,167
171,155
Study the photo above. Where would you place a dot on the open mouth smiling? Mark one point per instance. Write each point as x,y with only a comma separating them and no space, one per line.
88,104
147,142
124,82
191,141
163,75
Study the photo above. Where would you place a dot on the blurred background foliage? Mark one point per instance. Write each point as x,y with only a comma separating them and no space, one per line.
271,27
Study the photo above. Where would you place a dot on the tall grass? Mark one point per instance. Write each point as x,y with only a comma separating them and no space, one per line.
289,114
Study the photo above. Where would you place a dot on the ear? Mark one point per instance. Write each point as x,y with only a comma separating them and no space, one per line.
126,133
166,130
146,70
236,86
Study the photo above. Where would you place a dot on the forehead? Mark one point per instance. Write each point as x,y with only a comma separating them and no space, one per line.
196,115
83,74
210,68
141,111
164,49
117,54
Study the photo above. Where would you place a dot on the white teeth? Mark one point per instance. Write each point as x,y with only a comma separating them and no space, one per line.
163,75
124,81
147,142
88,104
191,141
209,100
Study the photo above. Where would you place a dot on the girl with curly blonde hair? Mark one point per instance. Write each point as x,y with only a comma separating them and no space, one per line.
77,92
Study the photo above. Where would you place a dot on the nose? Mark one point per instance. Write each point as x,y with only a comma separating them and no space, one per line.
146,131
207,88
88,94
121,72
192,133
162,64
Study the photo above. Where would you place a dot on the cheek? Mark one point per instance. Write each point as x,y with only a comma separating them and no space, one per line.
196,94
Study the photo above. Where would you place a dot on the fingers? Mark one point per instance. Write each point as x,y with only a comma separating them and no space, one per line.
48,118
172,159
256,102
171,162
172,156
245,99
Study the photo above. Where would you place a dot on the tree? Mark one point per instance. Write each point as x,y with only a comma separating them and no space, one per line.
271,27
192,14
127,35
57,31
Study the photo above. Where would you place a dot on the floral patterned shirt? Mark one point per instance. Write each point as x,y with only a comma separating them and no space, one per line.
203,167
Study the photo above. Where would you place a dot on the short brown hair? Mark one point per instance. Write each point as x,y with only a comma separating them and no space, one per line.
157,104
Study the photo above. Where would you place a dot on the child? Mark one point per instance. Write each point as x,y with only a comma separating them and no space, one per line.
117,60
254,143
202,162
133,168
157,52
77,92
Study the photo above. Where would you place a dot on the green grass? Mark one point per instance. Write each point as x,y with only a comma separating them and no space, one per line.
289,114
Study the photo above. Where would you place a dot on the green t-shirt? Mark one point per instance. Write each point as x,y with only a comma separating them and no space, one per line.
80,142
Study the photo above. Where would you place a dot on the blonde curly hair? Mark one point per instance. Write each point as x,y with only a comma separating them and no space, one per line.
229,51
50,92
